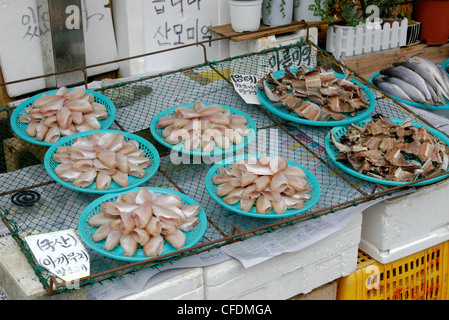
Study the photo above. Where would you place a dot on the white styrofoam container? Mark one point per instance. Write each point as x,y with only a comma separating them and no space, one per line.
396,228
185,286
153,26
237,48
345,41
19,282
288,274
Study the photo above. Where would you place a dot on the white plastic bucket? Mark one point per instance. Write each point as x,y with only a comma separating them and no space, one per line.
301,11
245,14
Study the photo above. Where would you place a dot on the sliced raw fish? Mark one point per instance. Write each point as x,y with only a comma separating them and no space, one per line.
154,246
176,239
102,232
121,178
129,244
53,134
124,219
143,213
141,236
261,182
85,179
99,219
112,240
103,181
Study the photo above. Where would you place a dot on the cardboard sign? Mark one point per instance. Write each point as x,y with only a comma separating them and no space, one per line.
61,253
246,87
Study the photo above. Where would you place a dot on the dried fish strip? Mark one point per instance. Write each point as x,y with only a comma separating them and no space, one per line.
389,151
325,96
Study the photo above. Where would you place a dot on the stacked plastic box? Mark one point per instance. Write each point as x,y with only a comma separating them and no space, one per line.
399,227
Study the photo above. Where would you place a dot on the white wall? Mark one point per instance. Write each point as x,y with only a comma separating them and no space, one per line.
144,26
21,54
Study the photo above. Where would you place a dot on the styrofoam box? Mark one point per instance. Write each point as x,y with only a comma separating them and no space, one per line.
237,48
396,228
281,277
185,286
19,282
288,274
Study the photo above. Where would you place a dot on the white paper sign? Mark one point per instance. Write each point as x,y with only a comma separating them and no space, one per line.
246,87
61,253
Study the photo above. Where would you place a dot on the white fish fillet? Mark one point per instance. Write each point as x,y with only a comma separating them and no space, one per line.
124,222
263,183
72,111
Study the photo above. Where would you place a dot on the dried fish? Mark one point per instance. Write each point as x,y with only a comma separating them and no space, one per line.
389,151
315,94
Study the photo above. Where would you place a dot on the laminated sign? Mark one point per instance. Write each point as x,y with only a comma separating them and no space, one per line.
61,253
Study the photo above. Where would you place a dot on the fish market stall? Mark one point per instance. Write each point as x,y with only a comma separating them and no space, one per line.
185,184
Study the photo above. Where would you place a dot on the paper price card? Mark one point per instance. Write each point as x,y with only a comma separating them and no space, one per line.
246,87
61,253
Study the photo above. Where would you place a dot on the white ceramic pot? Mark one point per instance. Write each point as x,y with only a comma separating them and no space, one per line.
277,12
301,11
245,14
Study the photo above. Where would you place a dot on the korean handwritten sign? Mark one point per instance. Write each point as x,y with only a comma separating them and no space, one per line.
62,253
290,57
181,30
246,87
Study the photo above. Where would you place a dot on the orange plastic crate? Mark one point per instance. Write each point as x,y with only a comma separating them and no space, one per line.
420,276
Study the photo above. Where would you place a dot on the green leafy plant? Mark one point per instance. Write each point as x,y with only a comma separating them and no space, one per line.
387,8
322,9
269,6
349,13
283,8
327,10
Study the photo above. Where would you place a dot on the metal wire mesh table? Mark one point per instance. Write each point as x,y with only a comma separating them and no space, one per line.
137,102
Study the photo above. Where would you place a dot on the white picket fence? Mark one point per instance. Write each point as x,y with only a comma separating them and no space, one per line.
346,42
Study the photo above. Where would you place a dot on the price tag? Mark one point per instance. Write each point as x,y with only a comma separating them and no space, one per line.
61,253
246,87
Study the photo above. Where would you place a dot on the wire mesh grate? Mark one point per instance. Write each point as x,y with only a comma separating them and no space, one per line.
137,102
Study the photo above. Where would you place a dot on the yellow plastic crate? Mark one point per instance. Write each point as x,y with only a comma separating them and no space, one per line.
420,276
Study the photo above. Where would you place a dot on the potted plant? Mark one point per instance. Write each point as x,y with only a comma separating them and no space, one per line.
245,14
345,12
356,30
301,11
391,11
277,12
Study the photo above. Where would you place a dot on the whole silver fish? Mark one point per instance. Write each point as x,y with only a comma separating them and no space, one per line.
440,76
391,89
414,93
437,97
425,74
408,76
